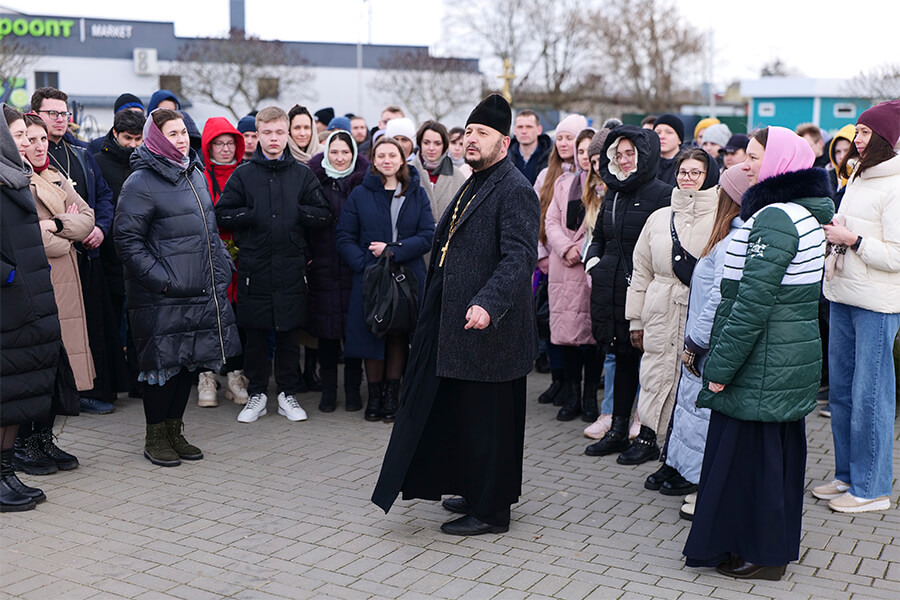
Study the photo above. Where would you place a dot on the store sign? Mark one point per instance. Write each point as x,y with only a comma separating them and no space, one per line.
39,28
104,30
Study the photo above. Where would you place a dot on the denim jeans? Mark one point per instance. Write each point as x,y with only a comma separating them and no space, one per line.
862,397
609,367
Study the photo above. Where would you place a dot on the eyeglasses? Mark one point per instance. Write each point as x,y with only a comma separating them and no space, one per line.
692,175
224,144
55,114
626,154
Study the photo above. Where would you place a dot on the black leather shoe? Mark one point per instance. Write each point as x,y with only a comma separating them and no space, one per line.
29,458
571,407
64,461
677,486
328,401
458,505
642,449
741,569
470,525
662,475
615,440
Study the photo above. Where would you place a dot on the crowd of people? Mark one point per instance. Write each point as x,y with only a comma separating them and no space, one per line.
680,275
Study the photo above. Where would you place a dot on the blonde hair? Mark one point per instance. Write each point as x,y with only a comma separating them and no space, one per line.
271,113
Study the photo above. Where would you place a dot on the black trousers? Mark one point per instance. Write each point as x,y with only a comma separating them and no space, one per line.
167,401
625,387
287,361
578,358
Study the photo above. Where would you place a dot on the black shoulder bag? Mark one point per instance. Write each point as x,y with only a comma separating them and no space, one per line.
390,296
683,262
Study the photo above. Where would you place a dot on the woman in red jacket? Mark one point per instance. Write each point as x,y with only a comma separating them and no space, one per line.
223,150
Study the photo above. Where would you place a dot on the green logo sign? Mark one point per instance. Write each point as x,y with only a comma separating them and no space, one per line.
35,27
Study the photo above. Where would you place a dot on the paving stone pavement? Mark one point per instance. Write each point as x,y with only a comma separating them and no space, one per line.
281,510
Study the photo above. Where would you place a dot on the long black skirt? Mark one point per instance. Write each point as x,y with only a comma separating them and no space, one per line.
750,497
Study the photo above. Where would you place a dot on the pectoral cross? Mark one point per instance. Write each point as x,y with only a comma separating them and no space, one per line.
444,252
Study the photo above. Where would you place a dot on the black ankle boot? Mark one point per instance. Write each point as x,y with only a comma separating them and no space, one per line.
642,449
15,496
374,403
64,461
615,440
391,399
555,389
29,458
310,372
589,412
572,406
328,402
352,381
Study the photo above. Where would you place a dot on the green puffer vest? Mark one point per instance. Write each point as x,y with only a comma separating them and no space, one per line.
765,345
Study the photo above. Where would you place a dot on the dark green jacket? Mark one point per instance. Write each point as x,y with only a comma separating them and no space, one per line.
765,345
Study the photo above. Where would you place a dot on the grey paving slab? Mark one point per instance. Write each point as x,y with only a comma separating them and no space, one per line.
281,510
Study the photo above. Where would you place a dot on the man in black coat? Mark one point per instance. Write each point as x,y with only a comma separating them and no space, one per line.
461,424
267,204
114,160
530,149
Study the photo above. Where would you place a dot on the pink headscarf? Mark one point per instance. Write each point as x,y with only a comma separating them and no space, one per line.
785,152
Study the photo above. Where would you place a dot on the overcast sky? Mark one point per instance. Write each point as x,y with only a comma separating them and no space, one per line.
820,38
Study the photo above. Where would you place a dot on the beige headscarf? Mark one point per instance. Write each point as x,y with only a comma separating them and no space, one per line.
314,147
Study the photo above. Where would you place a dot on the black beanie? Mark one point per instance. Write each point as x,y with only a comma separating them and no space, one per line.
325,115
494,112
128,101
672,121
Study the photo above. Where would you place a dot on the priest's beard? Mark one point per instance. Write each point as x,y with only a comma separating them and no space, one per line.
487,159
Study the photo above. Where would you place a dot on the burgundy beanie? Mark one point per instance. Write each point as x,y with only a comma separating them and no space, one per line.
883,119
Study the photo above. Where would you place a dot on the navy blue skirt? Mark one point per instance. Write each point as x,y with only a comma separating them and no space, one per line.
750,496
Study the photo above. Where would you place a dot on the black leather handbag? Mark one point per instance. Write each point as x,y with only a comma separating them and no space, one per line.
390,296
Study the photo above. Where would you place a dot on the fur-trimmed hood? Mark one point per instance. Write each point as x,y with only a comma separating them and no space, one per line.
811,188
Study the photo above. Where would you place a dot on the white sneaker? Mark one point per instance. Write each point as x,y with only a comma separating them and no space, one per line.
691,498
256,408
290,408
206,390
236,389
830,491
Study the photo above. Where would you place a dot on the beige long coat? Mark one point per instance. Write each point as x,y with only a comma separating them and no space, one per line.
657,300
53,194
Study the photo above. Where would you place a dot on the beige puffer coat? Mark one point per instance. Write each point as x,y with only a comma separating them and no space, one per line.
657,300
870,278
53,194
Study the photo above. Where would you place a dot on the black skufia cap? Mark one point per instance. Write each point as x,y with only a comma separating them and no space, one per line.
494,112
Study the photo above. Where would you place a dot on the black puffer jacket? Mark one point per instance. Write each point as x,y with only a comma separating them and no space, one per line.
330,278
30,342
165,233
634,199
267,204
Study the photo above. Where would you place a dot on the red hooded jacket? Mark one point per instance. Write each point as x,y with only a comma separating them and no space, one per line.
217,175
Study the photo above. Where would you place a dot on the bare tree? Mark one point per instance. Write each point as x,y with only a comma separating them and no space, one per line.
550,43
647,48
15,59
428,86
238,72
878,84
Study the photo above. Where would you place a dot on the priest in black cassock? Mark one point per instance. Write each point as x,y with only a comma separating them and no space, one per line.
460,428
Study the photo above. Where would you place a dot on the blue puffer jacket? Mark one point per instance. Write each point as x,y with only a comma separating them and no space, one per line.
688,439
366,218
